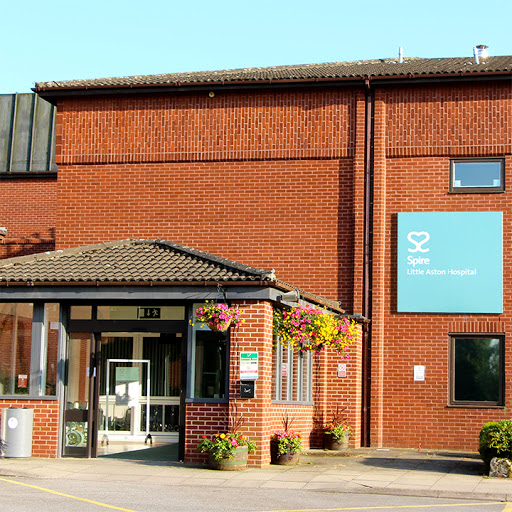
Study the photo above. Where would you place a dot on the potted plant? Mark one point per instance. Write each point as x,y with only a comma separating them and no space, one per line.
285,445
227,451
337,431
336,436
218,316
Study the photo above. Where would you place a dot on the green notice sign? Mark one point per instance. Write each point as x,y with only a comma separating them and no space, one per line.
450,262
248,365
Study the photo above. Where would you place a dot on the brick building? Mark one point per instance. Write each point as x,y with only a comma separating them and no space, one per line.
377,184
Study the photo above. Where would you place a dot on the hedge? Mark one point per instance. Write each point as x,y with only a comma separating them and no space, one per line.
495,441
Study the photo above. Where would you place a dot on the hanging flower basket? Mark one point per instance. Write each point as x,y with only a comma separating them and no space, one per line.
218,317
308,329
219,327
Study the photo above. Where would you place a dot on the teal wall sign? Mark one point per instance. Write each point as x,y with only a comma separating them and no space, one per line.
450,262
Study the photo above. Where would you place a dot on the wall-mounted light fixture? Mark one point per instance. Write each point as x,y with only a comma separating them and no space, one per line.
292,296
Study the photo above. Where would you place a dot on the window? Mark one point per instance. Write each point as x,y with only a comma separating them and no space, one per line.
28,349
292,375
477,175
477,370
209,371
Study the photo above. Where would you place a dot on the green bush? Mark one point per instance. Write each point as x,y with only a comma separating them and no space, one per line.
495,441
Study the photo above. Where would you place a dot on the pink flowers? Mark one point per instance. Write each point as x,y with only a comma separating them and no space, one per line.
283,434
219,316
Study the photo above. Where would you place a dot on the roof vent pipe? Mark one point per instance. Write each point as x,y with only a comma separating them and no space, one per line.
400,55
480,53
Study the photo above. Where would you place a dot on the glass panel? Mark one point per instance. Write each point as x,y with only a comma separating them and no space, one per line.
276,371
141,312
76,433
477,369
15,348
210,364
305,375
77,396
286,368
119,415
477,174
114,347
81,312
164,353
171,418
52,337
163,418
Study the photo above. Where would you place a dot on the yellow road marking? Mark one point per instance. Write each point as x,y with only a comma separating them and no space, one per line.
392,507
67,495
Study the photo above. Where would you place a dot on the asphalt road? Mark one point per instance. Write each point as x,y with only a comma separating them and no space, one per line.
52,495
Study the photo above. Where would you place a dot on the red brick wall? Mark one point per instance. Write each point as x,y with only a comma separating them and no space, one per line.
28,211
230,126
45,427
294,216
261,178
424,127
451,120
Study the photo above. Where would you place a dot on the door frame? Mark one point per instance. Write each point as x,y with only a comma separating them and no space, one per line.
88,416
96,328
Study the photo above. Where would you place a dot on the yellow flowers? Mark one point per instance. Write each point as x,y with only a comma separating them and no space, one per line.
307,328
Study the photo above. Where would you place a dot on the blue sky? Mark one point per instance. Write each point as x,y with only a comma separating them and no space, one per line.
63,40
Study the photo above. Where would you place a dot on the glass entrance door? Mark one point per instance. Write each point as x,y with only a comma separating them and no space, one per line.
79,426
134,365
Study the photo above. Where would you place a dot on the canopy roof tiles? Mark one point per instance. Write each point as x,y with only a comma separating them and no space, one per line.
127,261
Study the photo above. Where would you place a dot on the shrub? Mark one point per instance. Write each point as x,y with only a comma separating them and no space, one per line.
495,441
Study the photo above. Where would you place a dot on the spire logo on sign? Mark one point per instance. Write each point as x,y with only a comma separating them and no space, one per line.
423,236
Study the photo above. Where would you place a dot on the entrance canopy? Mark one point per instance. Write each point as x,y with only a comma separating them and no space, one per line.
106,331
139,270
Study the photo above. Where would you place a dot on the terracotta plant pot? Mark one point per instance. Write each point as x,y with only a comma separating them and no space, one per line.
235,463
339,445
286,459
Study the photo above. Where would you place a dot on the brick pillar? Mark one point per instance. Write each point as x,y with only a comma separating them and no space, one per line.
359,202
381,246
254,335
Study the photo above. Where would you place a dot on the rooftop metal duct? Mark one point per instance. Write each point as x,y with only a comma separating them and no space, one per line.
480,53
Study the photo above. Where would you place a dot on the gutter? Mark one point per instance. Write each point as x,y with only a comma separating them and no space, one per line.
52,94
277,285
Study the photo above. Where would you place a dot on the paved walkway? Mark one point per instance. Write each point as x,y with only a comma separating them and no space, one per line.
376,471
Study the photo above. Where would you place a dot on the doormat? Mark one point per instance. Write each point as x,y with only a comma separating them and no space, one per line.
161,452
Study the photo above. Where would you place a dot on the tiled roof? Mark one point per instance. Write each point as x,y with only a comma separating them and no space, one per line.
411,67
127,261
